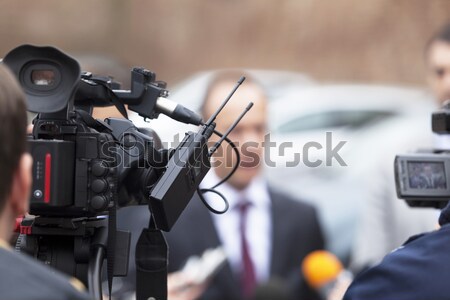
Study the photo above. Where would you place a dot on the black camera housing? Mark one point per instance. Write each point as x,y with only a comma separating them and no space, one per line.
81,164
84,168
423,178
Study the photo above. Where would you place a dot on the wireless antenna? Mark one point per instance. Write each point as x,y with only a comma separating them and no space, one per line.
224,136
213,117
185,170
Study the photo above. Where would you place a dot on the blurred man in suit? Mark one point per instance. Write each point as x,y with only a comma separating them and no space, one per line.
21,276
265,234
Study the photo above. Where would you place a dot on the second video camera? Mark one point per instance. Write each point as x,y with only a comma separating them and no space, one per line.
423,178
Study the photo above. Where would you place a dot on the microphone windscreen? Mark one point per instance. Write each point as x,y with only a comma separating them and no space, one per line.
321,267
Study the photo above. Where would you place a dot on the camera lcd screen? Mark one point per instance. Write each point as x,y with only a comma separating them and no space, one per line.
427,175
43,77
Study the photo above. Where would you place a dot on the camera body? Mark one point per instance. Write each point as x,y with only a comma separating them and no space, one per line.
82,164
73,177
85,168
423,178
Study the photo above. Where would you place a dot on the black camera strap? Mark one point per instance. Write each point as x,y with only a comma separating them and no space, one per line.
151,264
118,104
112,97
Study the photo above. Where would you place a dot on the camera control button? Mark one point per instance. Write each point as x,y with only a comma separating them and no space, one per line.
99,185
99,203
99,169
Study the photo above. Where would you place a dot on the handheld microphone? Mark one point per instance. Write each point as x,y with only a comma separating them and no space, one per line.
325,273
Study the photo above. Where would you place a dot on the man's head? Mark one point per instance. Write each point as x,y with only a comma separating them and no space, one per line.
249,133
437,57
15,163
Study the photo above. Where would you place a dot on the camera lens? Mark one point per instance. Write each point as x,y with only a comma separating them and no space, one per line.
43,77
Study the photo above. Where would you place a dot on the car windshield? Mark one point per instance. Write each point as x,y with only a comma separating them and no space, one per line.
355,119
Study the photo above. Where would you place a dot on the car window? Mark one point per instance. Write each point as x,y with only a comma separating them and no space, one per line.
332,119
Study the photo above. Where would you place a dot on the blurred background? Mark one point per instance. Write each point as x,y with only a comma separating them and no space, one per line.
375,47
346,40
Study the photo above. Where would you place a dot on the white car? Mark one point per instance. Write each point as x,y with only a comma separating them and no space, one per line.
360,122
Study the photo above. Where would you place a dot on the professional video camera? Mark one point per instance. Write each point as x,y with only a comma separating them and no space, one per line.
85,168
422,178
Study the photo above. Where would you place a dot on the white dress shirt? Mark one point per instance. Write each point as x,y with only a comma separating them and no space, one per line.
258,226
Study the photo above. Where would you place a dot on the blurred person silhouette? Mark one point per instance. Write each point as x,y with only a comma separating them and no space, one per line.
265,233
437,58
386,221
21,276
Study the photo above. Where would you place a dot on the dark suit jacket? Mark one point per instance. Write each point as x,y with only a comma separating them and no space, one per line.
296,232
416,271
